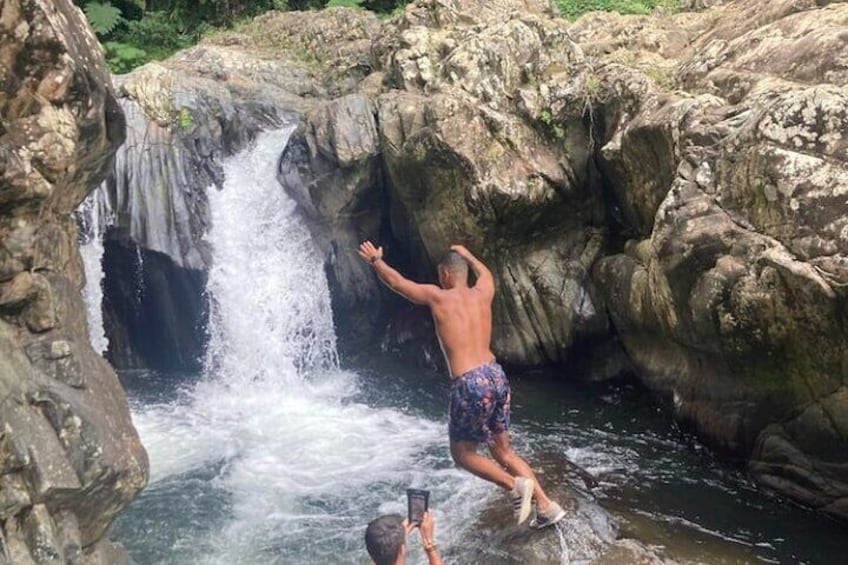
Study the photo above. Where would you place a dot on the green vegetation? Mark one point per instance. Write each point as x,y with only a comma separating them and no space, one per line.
186,120
554,129
104,17
661,77
382,7
134,32
572,9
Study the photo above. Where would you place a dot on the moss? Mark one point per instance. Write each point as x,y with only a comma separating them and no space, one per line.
592,86
279,41
185,119
661,77
572,9
552,127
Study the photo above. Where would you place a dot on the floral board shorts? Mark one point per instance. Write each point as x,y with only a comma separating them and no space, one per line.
479,404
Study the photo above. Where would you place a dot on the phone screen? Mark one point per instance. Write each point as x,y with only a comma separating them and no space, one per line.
418,501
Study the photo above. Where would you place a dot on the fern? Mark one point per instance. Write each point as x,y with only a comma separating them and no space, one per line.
103,17
123,58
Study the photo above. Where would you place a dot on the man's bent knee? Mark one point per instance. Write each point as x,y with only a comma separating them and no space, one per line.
502,454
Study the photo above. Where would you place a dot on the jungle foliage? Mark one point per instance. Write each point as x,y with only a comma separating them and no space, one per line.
572,9
134,32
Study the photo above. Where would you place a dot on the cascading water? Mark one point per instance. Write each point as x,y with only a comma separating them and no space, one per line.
271,319
91,250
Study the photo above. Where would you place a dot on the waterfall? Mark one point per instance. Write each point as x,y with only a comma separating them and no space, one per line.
270,316
91,250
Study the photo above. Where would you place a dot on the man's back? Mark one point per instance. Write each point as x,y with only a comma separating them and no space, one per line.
463,318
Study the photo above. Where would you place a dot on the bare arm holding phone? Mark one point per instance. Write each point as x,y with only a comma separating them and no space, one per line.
428,536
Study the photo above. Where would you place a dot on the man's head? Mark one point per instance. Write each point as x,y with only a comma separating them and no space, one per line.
385,538
453,270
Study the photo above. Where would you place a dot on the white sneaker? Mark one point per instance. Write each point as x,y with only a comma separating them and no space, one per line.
550,516
521,496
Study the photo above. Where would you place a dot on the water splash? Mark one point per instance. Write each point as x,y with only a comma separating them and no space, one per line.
89,217
563,545
271,318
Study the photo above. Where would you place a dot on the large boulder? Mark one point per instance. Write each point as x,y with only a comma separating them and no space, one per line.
472,155
331,167
70,459
547,146
730,297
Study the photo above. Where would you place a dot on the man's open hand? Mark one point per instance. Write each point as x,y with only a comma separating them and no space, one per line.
369,252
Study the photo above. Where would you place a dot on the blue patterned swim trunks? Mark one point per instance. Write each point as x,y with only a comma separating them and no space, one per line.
479,404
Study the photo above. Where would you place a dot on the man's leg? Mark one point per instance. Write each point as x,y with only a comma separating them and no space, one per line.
503,453
465,455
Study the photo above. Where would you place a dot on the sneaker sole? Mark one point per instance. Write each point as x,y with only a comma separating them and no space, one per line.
537,526
526,500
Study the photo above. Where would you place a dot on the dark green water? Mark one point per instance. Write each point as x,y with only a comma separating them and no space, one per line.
662,486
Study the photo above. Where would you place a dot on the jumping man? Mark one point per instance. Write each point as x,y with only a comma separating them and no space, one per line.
480,394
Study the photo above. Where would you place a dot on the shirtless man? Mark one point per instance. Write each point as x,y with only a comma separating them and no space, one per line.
480,394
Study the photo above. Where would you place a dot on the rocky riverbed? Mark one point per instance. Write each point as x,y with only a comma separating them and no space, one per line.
662,196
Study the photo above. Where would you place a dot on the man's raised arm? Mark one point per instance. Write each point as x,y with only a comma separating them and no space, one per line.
423,294
485,280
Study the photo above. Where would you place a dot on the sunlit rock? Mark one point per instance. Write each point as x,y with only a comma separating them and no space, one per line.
70,459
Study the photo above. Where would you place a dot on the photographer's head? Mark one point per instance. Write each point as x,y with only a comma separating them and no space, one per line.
385,538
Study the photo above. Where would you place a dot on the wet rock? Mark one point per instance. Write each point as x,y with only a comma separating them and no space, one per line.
58,495
331,168
154,311
41,536
588,534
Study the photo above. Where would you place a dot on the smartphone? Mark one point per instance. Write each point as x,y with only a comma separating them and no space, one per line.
418,501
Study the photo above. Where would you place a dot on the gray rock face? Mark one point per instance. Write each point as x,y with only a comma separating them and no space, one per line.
730,299
545,146
70,459
332,169
471,156
587,534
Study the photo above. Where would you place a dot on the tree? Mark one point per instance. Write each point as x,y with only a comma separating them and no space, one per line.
383,6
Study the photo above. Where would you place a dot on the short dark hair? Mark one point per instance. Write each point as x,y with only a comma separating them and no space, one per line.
454,262
383,538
